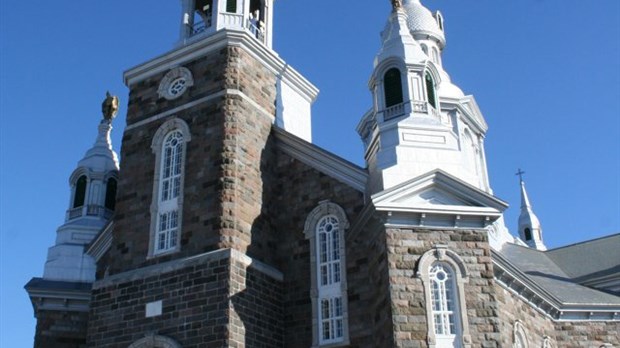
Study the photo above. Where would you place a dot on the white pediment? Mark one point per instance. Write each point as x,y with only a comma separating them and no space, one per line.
432,196
439,193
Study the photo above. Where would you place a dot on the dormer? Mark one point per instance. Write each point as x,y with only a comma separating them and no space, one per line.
202,18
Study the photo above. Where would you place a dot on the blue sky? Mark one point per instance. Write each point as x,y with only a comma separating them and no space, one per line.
546,74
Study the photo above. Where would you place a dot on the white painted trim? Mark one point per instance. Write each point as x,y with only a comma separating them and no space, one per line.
174,124
202,100
221,39
327,208
174,265
440,253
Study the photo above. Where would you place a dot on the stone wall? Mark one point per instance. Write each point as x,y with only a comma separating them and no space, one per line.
225,162
587,334
297,190
61,329
405,247
538,325
211,300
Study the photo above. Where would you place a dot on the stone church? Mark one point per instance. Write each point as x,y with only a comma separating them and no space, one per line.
225,226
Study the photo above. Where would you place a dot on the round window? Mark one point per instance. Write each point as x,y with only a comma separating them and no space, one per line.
177,87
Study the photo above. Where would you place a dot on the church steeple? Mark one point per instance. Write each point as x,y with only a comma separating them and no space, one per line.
420,121
91,204
530,230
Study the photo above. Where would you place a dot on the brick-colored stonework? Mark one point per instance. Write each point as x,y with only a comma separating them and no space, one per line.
537,325
213,300
223,192
61,329
242,276
405,247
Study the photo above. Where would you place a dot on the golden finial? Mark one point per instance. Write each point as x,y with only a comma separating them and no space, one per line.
109,107
396,4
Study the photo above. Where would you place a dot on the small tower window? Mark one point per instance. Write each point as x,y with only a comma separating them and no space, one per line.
231,6
393,88
110,194
80,192
430,90
439,18
424,49
528,233
203,10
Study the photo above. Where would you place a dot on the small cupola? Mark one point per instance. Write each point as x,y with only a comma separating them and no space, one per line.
530,230
203,18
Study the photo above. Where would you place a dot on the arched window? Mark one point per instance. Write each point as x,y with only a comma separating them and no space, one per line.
444,274
110,194
170,188
443,298
439,18
325,228
155,341
329,274
519,336
169,146
80,192
528,233
435,55
430,90
392,87
424,48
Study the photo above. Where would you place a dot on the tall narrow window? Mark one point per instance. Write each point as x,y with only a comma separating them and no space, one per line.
325,228
170,188
443,298
110,194
329,266
169,146
80,192
444,275
392,88
231,6
439,18
430,90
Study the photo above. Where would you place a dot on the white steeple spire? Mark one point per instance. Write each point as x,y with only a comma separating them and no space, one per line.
91,204
530,230
398,42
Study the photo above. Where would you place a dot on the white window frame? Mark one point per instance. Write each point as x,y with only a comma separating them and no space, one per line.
446,258
167,205
329,299
519,338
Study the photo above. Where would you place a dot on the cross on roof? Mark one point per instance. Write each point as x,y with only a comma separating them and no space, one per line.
520,174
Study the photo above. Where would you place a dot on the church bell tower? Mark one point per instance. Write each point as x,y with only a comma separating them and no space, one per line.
197,151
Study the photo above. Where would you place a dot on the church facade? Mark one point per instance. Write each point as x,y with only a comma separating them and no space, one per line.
225,226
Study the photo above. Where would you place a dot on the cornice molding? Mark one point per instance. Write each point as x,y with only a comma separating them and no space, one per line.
221,39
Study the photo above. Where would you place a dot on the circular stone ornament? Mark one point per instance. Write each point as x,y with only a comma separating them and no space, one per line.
175,83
